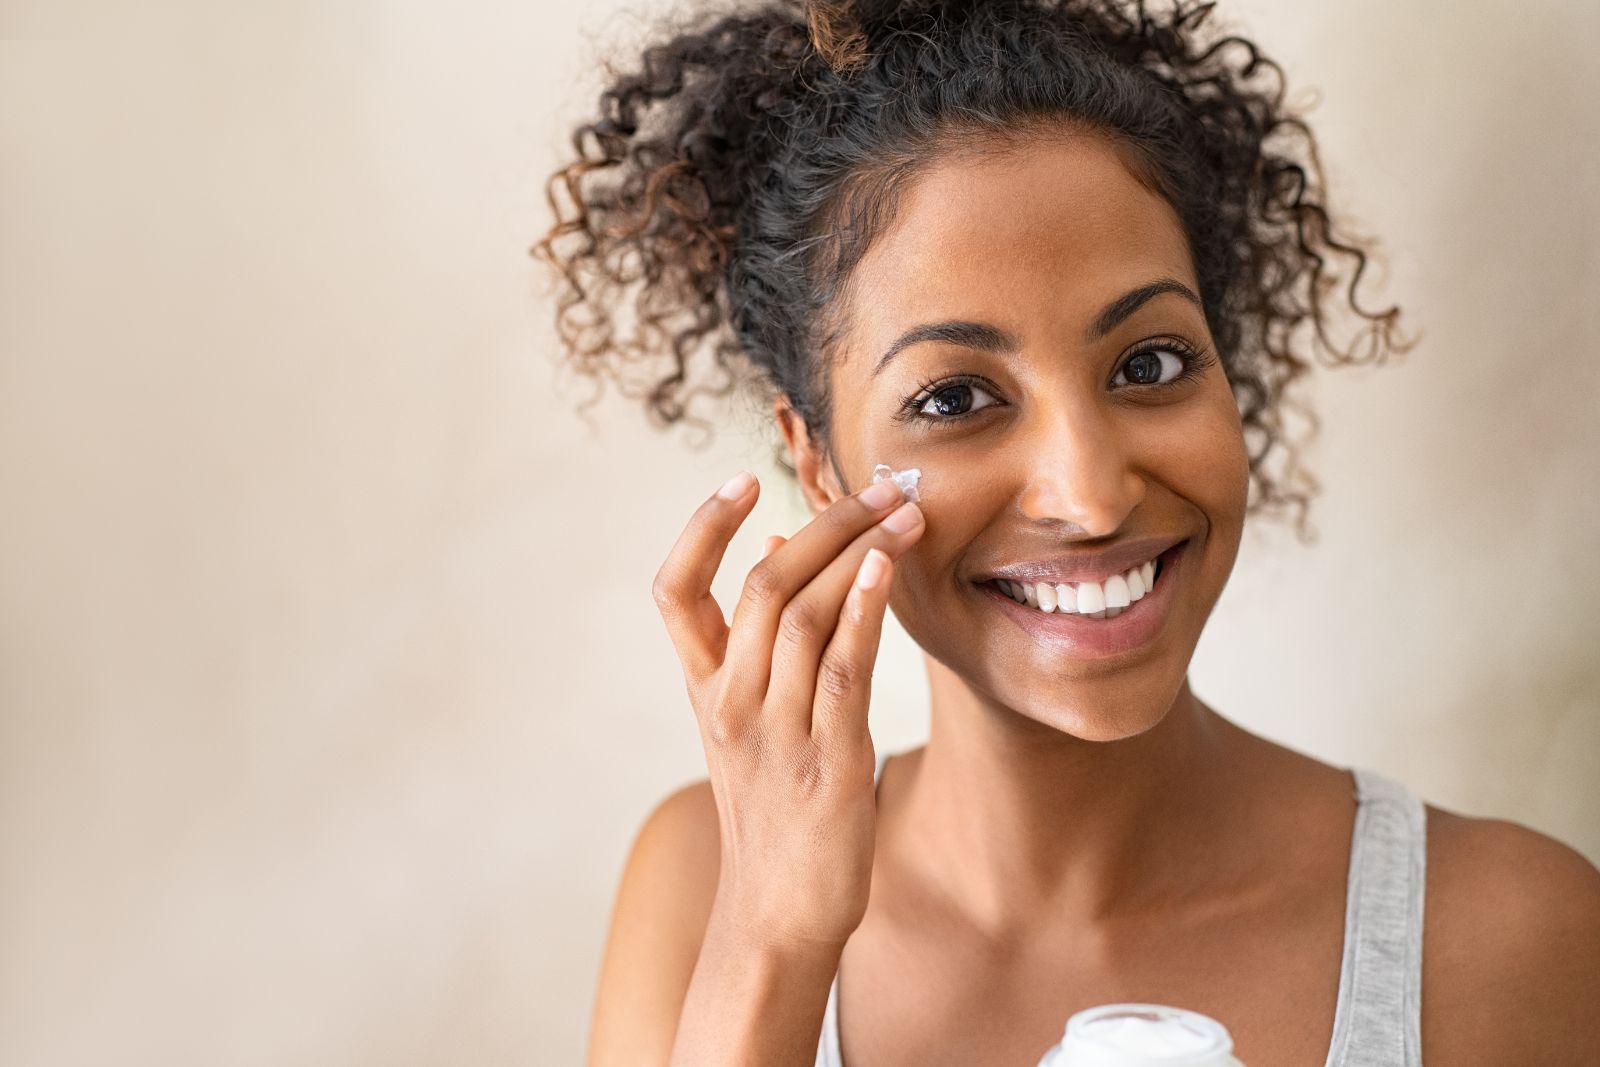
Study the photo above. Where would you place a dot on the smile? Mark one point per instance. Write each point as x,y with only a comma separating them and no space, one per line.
1097,600
1119,614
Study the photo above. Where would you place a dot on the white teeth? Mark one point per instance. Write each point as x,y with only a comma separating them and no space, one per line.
1098,600
1047,597
1091,598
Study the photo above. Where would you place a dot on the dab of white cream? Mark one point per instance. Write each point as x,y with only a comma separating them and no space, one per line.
906,479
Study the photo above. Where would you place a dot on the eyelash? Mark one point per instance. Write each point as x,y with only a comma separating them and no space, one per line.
1194,362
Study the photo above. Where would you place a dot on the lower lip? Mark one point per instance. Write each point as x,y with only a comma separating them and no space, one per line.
1080,636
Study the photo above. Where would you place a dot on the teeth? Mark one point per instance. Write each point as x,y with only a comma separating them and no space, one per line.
1091,598
1099,600
1047,597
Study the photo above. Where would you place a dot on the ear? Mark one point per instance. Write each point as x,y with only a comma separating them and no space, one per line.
812,466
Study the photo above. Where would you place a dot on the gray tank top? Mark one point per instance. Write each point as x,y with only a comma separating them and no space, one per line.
1377,1021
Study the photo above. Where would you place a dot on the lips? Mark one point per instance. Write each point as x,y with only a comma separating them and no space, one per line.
1081,637
1076,568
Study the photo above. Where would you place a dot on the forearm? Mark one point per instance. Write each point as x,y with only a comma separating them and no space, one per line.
750,1002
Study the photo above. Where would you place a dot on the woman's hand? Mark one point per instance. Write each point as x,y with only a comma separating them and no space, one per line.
781,698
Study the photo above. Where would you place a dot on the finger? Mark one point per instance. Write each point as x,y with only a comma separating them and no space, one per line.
771,543
812,615
844,673
682,588
773,581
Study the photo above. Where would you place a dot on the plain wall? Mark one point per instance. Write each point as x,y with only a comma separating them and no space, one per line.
331,688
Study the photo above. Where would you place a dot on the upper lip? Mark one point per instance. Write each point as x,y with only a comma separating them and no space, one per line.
1074,567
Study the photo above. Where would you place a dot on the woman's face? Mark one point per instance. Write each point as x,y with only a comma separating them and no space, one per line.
1039,438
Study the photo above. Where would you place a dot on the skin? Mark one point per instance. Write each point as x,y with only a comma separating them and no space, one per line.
1080,832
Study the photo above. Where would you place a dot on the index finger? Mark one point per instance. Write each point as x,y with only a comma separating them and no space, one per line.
682,587
773,582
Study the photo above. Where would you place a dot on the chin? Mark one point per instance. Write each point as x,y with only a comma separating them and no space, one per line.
1100,717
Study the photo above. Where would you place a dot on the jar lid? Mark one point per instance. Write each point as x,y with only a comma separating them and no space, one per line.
1136,1035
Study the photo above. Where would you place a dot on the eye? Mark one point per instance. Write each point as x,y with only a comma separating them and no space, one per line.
1146,365
944,400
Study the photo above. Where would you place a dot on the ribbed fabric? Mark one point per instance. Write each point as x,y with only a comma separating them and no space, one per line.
1377,1021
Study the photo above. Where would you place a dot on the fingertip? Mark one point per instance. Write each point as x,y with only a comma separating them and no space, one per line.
873,569
737,487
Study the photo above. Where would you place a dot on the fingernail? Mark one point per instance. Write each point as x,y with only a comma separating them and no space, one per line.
903,519
872,568
736,487
880,495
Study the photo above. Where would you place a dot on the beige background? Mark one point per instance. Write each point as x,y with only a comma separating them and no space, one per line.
331,690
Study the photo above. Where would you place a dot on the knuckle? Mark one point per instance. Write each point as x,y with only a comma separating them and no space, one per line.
664,591
764,584
812,770
799,623
838,677
728,723
831,768
725,728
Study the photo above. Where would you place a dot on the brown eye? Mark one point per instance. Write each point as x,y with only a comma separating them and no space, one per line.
949,401
1144,368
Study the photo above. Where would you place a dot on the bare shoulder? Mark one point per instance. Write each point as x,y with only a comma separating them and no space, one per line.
658,923
1511,945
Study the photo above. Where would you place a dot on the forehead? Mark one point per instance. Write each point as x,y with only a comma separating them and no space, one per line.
1036,239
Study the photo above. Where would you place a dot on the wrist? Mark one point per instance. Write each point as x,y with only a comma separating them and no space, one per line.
745,931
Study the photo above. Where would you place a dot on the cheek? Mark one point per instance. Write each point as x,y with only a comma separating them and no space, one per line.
1201,454
1222,459
959,497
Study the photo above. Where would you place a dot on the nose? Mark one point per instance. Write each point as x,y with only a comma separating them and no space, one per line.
1080,471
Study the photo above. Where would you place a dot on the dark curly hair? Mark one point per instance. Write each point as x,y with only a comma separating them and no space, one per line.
737,175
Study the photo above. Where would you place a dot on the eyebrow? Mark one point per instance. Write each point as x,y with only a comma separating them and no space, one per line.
986,338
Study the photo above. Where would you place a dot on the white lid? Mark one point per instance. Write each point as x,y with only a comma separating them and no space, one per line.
1144,1035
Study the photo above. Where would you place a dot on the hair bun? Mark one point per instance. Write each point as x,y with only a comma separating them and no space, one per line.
836,34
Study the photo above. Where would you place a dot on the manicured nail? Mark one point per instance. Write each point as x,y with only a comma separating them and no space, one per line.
903,519
880,495
736,487
872,568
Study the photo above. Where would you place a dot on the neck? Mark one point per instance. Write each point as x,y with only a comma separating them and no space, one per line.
1009,819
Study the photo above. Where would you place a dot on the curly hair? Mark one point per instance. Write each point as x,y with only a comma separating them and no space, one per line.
738,173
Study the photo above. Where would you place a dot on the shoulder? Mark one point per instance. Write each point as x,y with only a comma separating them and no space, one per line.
682,834
1511,944
658,922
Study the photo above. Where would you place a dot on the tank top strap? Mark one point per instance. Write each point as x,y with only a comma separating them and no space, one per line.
1378,1017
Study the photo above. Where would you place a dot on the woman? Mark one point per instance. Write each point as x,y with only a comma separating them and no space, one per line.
1055,256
